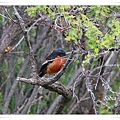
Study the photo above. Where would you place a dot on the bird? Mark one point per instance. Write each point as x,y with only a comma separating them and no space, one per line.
53,63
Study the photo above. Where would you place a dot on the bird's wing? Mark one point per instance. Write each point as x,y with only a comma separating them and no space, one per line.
43,68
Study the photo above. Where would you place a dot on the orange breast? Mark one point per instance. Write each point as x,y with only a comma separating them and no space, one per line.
56,65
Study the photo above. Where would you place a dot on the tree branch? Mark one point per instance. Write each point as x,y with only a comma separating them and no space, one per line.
24,30
8,14
56,87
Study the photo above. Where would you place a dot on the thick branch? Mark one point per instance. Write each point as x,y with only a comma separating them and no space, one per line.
57,87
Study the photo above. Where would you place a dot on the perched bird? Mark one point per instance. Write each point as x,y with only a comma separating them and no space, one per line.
54,62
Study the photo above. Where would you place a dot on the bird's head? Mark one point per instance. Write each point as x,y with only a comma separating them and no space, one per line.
57,52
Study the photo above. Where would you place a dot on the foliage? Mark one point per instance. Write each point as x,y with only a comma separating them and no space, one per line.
94,29
100,13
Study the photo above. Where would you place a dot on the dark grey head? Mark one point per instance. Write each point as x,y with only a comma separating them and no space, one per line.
57,52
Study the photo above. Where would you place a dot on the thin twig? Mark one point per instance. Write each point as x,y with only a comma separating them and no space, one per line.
27,32
10,18
4,16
